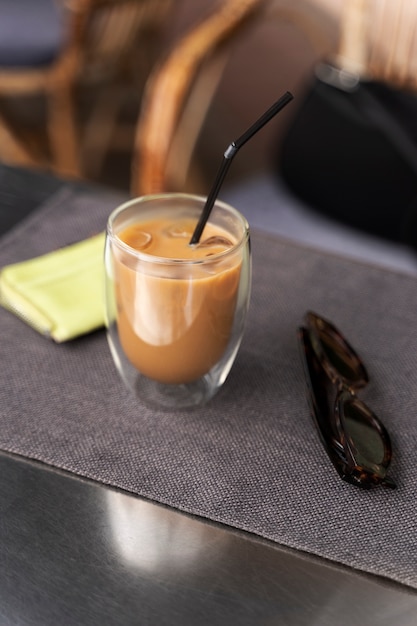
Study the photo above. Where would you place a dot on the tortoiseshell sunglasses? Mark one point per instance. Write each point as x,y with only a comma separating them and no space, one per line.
355,439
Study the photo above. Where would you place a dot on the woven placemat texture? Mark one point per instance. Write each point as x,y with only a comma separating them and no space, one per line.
251,458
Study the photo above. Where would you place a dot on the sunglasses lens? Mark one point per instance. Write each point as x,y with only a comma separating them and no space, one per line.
340,358
361,427
336,351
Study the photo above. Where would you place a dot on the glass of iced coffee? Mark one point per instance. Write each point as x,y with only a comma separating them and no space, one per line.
175,312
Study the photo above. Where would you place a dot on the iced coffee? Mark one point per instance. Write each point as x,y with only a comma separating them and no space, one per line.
178,309
174,328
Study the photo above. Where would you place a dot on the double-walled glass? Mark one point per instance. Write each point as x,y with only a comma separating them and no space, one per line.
175,323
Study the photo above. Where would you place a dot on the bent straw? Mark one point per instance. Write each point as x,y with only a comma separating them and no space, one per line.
227,160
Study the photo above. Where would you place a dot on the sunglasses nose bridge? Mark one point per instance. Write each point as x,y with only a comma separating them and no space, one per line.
342,383
355,381
351,386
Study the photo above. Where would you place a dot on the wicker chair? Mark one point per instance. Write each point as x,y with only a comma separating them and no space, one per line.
373,38
104,43
180,91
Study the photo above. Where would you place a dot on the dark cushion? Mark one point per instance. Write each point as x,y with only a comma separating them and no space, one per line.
352,155
31,32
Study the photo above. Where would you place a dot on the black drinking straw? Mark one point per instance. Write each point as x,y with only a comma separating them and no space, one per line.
227,160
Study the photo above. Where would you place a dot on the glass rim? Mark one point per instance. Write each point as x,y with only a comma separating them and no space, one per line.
156,259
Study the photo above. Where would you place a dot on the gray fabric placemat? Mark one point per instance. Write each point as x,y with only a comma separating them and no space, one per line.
251,458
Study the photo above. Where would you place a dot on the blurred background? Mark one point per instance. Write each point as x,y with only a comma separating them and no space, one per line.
73,75
145,96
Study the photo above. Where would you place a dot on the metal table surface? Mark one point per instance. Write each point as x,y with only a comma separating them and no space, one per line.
74,552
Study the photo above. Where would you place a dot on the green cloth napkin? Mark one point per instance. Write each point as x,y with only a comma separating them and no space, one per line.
59,294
